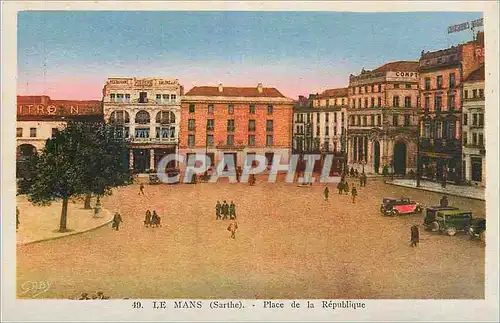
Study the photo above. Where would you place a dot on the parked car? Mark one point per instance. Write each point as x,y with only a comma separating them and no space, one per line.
449,221
476,227
398,206
430,214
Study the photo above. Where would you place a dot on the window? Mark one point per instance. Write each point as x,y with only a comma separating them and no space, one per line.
19,132
395,101
191,124
230,109
481,140
191,140
334,131
380,87
427,102
119,97
119,117
396,86
251,125
158,98
327,102
269,109
379,101
173,97
327,130
379,120
142,117
408,86
474,119
427,130
269,140
481,119
210,140
327,117
466,119
464,138
342,116
251,109
373,102
474,138
407,101
230,125
317,117
373,88
395,120
32,132
452,80
230,140
343,101
210,109
142,132
112,97
317,130
353,103
335,117
481,93
127,98
466,94
359,120
439,81
438,102
439,130
372,120
474,94
54,132
143,97
191,108
251,140
366,89
165,117
308,118
166,97
165,132
451,102
366,102
210,124
365,121
407,120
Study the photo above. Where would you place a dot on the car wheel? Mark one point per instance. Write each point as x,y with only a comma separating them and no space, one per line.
451,231
382,211
394,213
434,226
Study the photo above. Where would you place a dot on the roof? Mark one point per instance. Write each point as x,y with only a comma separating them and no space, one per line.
336,93
476,75
267,92
453,212
41,107
442,208
399,66
442,52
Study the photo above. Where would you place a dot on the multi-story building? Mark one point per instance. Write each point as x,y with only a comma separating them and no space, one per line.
441,81
320,124
236,121
38,117
382,121
147,110
473,139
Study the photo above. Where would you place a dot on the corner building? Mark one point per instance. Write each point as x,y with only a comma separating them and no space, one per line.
382,121
147,112
236,121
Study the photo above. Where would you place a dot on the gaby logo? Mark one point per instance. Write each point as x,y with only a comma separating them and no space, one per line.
199,163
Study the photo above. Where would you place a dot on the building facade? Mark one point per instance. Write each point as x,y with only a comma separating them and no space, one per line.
38,117
383,118
235,122
147,110
473,139
440,118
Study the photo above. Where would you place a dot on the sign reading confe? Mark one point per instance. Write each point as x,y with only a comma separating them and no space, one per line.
466,25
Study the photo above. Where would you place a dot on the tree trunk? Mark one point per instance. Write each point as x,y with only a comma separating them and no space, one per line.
86,203
64,215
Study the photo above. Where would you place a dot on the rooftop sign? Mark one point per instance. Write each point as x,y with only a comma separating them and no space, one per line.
466,25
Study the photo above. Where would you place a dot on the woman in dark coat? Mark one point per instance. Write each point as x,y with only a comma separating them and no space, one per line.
147,220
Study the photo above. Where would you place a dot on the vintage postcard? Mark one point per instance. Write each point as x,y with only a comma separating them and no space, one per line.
250,161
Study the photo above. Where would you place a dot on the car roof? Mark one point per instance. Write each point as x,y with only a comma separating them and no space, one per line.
453,212
443,208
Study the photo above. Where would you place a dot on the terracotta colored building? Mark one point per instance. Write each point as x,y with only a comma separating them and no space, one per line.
235,122
382,118
442,74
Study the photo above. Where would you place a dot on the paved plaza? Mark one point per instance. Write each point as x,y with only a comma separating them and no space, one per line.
290,244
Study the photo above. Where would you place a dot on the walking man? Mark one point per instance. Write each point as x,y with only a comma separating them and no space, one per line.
415,236
218,207
232,228
325,192
346,188
117,219
354,192
232,211
141,188
147,220
340,187
225,210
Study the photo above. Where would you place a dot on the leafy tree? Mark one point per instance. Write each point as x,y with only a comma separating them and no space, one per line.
84,158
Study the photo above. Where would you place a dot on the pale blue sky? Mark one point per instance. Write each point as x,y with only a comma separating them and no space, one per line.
71,53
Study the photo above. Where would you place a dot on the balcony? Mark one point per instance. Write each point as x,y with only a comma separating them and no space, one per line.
137,140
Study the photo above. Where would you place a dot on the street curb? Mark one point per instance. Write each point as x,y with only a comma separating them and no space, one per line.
435,191
66,235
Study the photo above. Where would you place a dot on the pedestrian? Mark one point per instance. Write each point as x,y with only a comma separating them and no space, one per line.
232,211
354,192
352,172
365,178
356,174
225,210
340,187
147,220
252,179
17,218
141,188
325,192
154,219
218,207
117,219
232,228
346,188
415,236
444,201
361,180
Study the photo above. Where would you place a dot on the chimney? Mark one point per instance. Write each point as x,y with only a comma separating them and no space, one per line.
221,88
259,87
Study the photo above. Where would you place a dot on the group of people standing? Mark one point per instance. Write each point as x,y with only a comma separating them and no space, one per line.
152,220
224,211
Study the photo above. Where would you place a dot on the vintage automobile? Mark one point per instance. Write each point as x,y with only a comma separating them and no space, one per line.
476,227
449,221
430,214
398,206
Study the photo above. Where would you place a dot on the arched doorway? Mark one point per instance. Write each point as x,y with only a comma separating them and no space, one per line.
376,156
400,158
24,154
